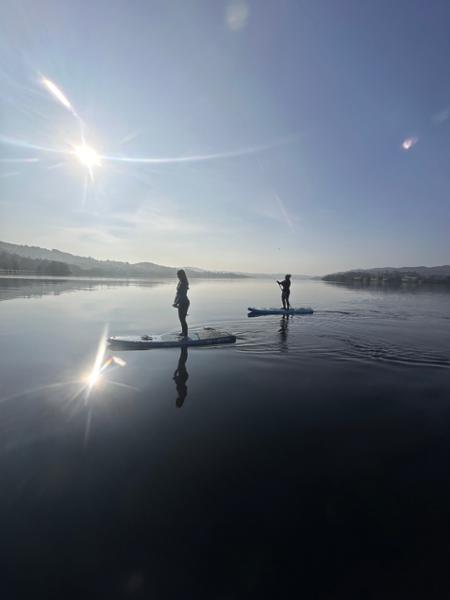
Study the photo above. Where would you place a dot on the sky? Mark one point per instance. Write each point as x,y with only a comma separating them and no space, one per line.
248,135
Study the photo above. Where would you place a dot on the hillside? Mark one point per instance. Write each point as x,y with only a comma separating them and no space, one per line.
15,258
440,274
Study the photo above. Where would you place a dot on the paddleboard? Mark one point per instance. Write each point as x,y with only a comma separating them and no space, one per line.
206,337
256,312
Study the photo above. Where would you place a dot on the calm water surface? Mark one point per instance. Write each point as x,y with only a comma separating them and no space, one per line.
311,459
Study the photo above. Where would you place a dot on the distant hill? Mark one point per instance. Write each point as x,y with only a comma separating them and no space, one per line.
15,258
439,274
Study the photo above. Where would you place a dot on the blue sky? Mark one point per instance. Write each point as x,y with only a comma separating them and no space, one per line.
309,101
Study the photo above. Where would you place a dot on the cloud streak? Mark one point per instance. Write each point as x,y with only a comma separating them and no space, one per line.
284,213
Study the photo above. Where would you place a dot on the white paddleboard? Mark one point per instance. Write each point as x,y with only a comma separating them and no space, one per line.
255,312
206,337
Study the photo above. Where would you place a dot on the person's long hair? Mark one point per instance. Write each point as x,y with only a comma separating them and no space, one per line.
183,277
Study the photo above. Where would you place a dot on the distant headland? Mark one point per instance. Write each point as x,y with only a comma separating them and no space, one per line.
392,275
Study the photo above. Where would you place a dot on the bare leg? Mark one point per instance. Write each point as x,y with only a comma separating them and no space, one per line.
182,312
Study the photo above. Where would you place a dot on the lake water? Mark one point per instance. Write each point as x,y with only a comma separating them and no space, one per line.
310,460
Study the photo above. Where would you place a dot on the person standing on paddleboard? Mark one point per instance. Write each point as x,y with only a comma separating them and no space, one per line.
182,301
285,286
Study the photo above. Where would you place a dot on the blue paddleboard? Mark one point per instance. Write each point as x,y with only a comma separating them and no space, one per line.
256,312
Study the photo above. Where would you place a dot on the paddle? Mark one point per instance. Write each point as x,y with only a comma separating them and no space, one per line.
281,288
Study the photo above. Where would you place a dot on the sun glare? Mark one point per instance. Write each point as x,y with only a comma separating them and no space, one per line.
93,378
87,156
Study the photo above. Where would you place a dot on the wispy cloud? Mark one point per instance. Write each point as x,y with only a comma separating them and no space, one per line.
150,219
19,160
277,211
77,237
156,220
284,212
237,13
441,116
129,137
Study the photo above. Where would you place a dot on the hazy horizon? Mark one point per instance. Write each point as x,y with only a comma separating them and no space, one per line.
240,136
119,259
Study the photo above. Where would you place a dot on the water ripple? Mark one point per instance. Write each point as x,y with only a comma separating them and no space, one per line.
341,336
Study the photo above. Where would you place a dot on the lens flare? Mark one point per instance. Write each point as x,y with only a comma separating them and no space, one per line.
409,143
95,376
90,159
100,364
119,361
192,158
57,93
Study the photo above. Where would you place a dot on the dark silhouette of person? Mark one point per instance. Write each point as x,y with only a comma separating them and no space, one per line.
180,377
182,301
285,286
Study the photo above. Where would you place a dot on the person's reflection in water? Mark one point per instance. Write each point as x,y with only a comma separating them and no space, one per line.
180,377
283,331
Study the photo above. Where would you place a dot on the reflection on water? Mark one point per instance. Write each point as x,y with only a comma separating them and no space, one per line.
181,376
19,287
283,331
392,287
348,456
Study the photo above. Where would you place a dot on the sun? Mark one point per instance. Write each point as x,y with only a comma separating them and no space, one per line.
93,378
87,157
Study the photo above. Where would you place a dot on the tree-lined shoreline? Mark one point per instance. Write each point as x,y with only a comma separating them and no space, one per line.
16,259
392,276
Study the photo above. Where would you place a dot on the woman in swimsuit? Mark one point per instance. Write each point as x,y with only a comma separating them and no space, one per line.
182,301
